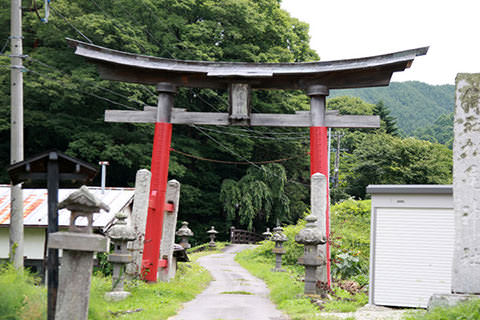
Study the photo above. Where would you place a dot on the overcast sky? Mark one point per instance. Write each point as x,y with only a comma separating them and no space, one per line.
341,29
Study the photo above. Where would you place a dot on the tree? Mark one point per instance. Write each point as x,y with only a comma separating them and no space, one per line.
385,159
257,198
65,99
388,123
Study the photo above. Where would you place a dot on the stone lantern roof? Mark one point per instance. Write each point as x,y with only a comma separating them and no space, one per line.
120,230
84,201
310,235
184,230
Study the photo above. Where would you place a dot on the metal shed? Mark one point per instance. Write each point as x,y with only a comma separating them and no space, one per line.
411,250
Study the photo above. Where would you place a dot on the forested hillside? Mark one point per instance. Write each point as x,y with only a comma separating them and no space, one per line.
414,104
250,178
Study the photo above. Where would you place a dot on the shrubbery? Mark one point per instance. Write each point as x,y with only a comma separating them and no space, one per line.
21,297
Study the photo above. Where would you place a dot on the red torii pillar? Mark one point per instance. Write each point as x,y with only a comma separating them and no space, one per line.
319,151
158,185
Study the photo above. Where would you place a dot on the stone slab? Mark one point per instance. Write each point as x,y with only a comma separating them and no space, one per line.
449,300
466,185
139,220
169,228
78,241
116,295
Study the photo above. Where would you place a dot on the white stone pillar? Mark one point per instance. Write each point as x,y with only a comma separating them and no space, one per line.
139,220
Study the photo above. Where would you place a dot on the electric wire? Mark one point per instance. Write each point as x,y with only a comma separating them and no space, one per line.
234,162
239,156
297,138
69,23
78,90
5,46
93,84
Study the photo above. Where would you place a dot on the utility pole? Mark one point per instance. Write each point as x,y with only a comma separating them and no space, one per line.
337,160
16,132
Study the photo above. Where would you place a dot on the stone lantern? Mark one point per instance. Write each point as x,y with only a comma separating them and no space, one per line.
184,233
279,237
78,245
267,234
310,237
212,232
120,234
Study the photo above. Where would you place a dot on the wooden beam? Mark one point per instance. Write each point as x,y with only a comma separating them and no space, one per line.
300,119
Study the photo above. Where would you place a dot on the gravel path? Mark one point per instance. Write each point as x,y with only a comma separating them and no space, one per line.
369,312
234,294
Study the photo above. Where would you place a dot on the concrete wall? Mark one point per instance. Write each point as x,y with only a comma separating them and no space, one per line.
34,243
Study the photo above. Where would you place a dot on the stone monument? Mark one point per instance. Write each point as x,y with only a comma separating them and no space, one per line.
167,269
139,221
78,245
318,196
466,193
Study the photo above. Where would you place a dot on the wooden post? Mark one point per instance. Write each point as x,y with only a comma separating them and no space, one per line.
158,186
53,178
319,151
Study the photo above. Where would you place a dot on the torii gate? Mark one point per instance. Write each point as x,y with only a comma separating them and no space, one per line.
316,78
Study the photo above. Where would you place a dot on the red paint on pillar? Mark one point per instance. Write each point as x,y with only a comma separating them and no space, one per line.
156,205
319,163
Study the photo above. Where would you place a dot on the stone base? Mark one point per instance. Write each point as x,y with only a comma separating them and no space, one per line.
116,295
278,270
449,300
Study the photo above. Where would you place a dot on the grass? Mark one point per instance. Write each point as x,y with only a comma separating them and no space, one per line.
463,311
286,289
21,297
237,292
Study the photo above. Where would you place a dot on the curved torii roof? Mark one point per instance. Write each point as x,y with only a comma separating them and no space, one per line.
339,74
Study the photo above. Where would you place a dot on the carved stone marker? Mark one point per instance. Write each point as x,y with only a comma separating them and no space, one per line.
466,193
167,269
466,185
139,221
120,234
78,245
318,196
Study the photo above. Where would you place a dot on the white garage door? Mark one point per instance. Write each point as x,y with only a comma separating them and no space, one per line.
413,250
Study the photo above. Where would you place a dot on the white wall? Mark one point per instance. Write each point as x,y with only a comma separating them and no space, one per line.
34,240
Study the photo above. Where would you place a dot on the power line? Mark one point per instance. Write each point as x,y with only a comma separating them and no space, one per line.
297,138
84,92
93,84
68,22
233,162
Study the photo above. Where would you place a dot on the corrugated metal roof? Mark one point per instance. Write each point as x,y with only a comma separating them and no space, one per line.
35,206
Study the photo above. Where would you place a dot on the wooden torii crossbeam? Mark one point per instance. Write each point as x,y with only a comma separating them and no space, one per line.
239,78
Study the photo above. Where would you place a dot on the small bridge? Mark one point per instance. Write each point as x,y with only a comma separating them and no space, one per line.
244,236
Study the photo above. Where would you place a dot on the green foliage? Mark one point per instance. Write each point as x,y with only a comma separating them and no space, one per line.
463,311
21,297
350,105
384,159
65,99
414,104
440,131
258,197
346,301
285,289
159,300
350,234
388,123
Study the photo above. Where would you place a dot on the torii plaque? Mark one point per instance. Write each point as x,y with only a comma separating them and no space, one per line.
316,78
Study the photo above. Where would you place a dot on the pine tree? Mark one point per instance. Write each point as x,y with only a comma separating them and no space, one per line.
388,122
